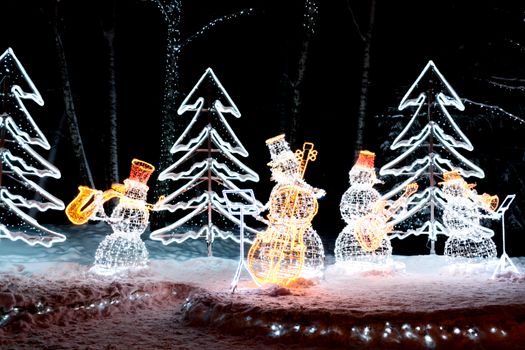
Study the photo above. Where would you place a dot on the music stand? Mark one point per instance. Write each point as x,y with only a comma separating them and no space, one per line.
236,202
504,262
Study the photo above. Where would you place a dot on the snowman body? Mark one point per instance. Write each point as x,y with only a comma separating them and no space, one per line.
461,216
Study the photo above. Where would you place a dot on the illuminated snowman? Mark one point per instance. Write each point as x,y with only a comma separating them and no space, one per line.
464,209
123,249
357,202
289,248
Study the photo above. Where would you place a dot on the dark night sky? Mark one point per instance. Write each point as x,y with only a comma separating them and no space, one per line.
468,40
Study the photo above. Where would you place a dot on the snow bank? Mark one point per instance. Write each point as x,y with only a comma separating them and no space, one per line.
183,301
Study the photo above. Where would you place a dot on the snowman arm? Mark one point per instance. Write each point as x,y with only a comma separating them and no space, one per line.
99,214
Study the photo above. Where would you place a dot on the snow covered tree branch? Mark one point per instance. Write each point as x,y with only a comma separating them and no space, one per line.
209,26
496,109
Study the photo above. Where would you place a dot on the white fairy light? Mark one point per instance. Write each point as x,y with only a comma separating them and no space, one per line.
439,136
357,202
314,254
278,254
122,250
464,209
19,160
195,201
348,249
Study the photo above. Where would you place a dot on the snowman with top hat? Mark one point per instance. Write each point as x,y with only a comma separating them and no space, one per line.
123,249
358,201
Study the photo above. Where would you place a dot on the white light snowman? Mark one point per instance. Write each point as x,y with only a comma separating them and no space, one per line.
357,202
464,209
124,249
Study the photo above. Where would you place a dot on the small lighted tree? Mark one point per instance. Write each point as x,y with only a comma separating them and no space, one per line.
430,143
20,162
207,164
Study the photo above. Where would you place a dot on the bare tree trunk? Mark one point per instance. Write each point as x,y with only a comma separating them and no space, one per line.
109,38
297,94
310,17
170,99
365,83
72,122
172,12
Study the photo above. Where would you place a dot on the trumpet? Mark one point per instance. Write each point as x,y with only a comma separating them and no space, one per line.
488,202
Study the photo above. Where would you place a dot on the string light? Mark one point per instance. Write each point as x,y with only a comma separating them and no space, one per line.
215,144
464,209
438,129
20,162
278,254
123,249
357,202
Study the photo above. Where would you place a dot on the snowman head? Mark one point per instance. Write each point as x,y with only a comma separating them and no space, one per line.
363,173
454,185
284,165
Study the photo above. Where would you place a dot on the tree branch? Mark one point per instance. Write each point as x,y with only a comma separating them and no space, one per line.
508,79
497,109
162,9
205,29
516,44
507,86
355,21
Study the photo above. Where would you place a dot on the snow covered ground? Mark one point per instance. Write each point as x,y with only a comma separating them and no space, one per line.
49,299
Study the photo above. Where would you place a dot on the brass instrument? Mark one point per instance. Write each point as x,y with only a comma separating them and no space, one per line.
82,207
489,203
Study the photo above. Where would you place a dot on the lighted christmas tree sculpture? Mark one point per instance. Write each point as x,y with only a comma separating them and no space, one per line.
357,202
464,209
277,255
207,165
428,141
19,161
122,250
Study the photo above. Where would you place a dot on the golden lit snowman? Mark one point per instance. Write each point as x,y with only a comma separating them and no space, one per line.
123,249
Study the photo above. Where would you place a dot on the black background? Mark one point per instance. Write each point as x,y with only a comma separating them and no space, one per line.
469,41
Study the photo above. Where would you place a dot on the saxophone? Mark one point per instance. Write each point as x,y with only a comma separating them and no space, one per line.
82,207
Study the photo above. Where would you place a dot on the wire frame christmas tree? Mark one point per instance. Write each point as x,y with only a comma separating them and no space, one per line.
430,145
208,163
20,162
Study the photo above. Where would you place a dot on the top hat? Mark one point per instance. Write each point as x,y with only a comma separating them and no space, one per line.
140,171
279,150
454,175
366,159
